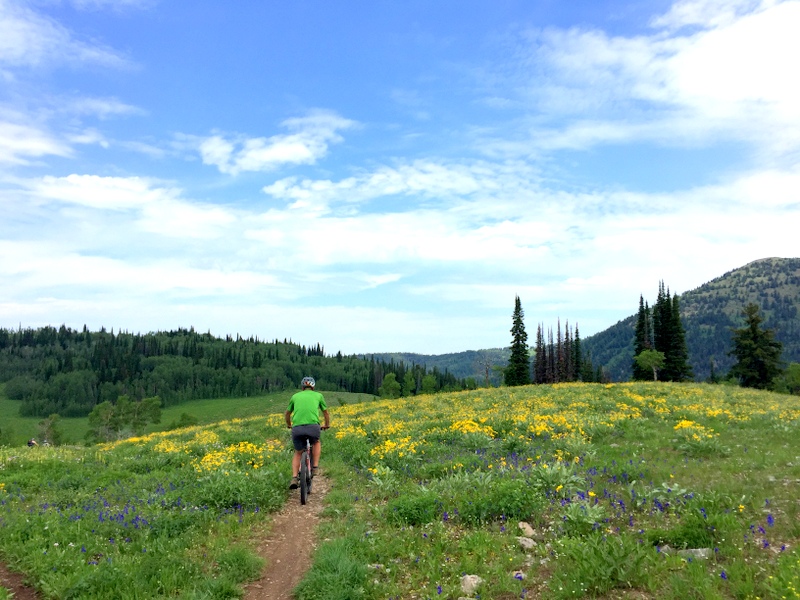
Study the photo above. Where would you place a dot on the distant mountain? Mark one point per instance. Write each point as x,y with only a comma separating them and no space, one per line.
710,312
478,364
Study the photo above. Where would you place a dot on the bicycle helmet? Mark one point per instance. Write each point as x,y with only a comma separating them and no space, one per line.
308,382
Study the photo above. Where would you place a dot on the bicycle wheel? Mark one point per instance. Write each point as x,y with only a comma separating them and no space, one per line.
304,478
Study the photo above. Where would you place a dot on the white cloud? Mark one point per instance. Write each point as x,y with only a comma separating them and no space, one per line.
155,208
19,144
727,78
29,39
109,193
42,271
419,181
705,13
308,143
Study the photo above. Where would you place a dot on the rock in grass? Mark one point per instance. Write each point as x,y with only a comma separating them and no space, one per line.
689,553
470,583
526,542
696,553
526,529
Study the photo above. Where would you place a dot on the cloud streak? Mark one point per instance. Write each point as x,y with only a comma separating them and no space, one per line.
724,78
309,142
30,40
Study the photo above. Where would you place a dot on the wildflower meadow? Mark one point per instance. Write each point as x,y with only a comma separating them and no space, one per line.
646,490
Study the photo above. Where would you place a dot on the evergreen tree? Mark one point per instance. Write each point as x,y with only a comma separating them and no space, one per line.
561,364
662,319
550,374
757,352
676,355
569,368
518,370
540,359
577,355
642,339
661,330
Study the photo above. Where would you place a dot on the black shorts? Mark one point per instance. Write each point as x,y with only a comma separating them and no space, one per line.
301,433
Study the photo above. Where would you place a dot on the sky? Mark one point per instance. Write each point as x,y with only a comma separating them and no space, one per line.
388,176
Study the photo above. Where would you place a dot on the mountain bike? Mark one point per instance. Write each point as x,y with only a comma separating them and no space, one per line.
306,475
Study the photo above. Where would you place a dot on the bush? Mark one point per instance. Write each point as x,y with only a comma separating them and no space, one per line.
415,509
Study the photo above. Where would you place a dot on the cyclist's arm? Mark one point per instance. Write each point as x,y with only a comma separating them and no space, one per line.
327,424
288,416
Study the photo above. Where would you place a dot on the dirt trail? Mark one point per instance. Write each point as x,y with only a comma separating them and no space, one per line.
287,549
13,582
289,545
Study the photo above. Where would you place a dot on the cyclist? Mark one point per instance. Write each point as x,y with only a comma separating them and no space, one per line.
302,417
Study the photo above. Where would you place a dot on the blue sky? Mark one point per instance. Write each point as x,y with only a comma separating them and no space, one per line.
388,176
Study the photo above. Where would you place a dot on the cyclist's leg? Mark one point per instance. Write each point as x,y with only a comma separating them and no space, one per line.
299,443
296,462
316,452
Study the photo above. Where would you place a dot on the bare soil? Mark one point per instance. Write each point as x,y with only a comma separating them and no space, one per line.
287,549
288,546
15,583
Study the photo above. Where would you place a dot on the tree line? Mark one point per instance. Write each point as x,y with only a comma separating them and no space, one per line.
659,343
556,359
660,351
69,372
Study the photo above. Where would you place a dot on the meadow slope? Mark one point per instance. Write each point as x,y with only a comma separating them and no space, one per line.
576,490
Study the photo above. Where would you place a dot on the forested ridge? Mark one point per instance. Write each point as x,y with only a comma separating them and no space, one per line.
68,372
709,314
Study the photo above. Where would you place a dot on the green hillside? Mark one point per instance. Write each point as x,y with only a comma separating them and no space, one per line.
15,429
69,372
710,311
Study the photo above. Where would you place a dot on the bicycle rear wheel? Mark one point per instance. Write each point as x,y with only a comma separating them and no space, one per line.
305,478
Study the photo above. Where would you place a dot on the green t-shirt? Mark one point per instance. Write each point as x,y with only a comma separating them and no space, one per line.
305,407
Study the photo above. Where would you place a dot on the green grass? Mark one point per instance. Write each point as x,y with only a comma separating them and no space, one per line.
204,411
429,489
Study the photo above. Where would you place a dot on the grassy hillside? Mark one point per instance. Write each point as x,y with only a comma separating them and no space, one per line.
710,311
638,490
205,411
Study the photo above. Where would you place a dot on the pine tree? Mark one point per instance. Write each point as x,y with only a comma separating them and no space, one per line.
757,352
642,339
661,330
561,366
518,370
540,360
676,355
569,368
577,355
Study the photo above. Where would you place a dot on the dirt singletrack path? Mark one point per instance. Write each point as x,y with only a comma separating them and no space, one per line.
13,582
288,547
